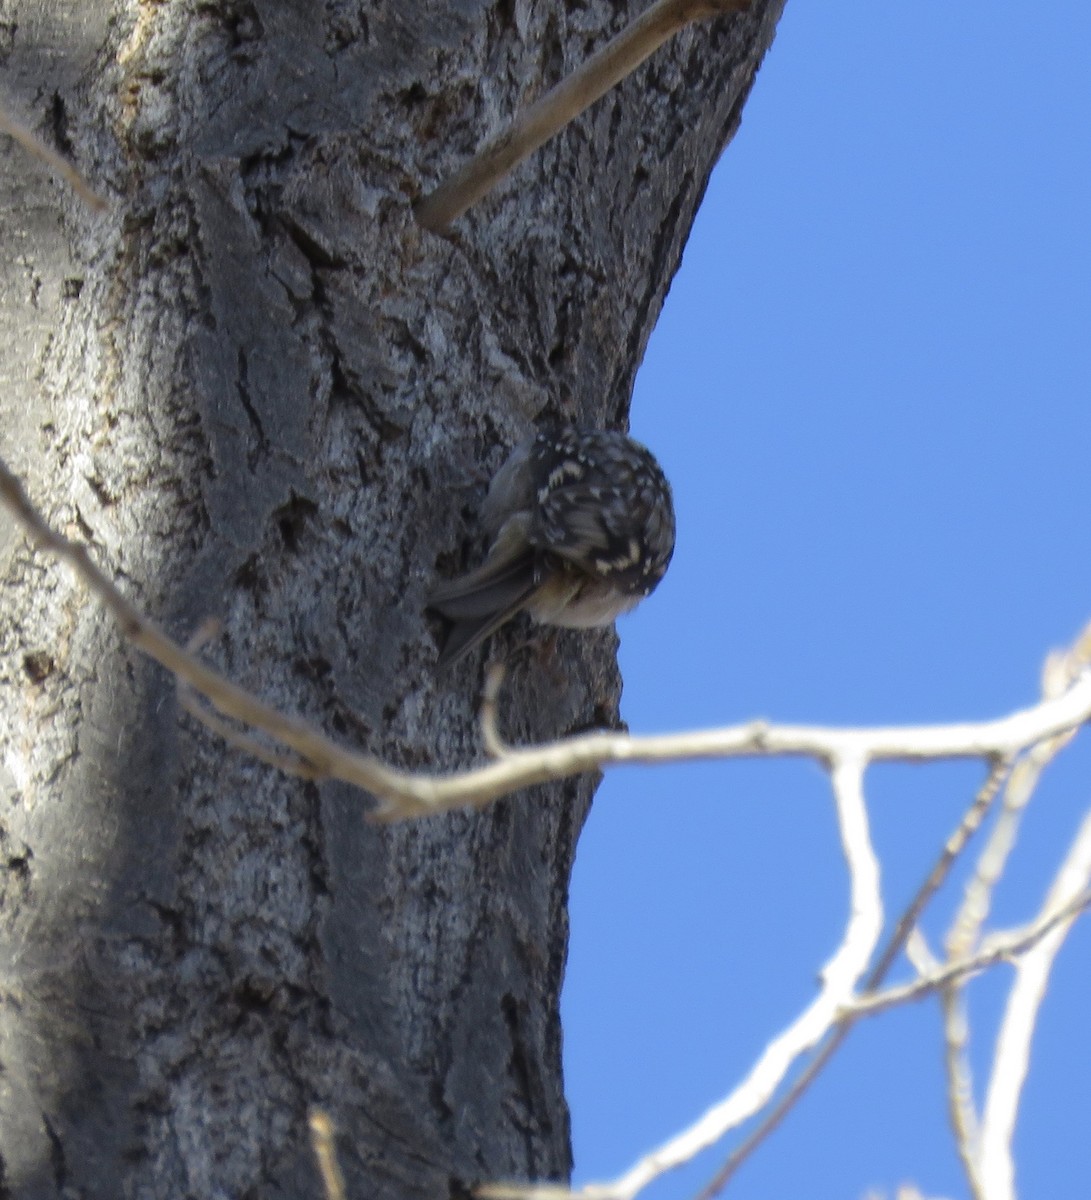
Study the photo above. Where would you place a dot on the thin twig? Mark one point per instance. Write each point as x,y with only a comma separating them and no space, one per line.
325,1151
1005,947
54,161
952,849
289,763
974,909
537,124
1000,948
494,744
189,701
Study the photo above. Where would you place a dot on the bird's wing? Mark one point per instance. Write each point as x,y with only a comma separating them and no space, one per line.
478,603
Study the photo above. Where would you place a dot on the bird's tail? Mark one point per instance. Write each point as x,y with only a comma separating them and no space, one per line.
477,604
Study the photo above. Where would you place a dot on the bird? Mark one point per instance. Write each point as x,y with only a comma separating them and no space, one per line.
581,528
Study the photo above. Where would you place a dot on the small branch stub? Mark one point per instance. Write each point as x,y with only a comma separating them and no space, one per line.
537,124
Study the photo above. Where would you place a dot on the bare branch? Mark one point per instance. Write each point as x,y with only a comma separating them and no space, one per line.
1002,948
960,942
1066,899
327,758
188,700
495,745
602,71
54,161
290,764
325,1151
839,979
975,906
961,1109
404,794
965,930
998,948
905,927
953,847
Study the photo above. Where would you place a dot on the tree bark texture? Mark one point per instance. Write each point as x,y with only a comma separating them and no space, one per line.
263,394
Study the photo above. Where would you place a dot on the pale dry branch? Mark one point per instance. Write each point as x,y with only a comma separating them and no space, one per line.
961,1109
404,794
960,941
537,124
1062,670
1067,897
918,952
1021,786
190,702
57,163
1022,783
1003,947
325,1152
290,764
953,848
904,932
839,979
328,759
494,744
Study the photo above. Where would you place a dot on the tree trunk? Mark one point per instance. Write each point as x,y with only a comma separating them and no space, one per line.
263,394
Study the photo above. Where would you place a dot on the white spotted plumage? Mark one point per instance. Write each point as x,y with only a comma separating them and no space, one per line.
581,528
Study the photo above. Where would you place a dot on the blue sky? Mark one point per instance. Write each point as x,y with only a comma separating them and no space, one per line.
871,388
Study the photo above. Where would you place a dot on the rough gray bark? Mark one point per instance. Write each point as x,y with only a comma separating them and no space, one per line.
264,394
